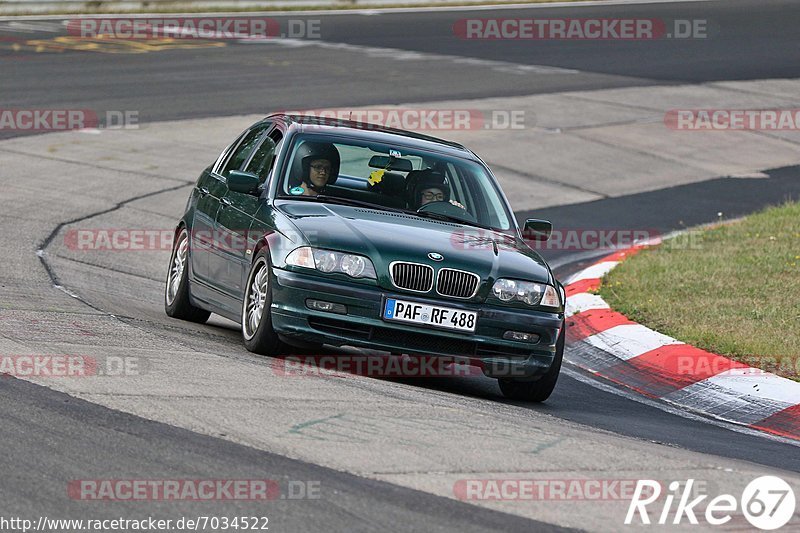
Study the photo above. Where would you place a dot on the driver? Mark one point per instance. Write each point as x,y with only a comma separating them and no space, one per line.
320,167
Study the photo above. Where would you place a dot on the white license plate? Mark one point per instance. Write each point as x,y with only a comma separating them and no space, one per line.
431,315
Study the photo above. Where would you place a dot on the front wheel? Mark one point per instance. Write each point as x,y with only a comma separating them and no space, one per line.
257,332
176,293
540,390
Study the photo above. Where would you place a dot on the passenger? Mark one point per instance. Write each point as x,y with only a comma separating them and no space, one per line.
432,194
428,186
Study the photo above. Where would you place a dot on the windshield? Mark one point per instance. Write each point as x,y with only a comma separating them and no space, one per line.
393,177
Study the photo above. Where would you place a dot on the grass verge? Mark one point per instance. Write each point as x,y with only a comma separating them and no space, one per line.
733,290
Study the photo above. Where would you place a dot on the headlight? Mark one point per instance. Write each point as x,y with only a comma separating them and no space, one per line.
528,292
505,289
326,261
355,266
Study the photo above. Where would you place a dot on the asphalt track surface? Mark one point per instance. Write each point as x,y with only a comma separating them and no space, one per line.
750,41
39,418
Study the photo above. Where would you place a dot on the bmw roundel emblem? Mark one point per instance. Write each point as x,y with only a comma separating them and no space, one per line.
436,257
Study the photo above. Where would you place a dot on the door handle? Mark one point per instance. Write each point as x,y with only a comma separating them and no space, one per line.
226,201
203,191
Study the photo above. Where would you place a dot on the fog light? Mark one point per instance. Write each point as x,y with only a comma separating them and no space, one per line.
520,336
319,305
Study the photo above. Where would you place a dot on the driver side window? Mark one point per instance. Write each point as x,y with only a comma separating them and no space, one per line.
242,152
264,157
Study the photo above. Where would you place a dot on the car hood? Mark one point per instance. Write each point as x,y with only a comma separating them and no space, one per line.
387,236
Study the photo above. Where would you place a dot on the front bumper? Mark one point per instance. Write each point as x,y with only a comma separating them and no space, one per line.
363,326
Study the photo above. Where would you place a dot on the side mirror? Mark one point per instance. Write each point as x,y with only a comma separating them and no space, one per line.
537,230
243,182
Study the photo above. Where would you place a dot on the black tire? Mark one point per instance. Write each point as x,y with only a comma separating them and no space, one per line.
176,291
258,335
540,390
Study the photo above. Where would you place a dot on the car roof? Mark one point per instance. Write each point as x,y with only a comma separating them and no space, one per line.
375,132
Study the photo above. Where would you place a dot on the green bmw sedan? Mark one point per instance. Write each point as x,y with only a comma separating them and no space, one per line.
310,231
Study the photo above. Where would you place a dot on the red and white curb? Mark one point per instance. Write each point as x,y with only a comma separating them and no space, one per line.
611,346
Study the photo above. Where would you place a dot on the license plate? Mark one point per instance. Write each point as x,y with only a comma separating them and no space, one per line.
430,315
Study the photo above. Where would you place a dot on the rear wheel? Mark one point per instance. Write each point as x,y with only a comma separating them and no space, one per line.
540,390
176,293
259,337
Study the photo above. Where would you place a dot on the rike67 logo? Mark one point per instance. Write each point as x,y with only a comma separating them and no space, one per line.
768,503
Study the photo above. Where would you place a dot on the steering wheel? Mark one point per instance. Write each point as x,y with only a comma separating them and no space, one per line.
446,208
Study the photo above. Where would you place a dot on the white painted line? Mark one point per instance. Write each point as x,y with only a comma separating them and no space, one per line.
583,302
629,340
30,27
750,176
397,54
595,271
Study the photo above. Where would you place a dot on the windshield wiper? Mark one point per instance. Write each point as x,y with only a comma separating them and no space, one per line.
449,218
